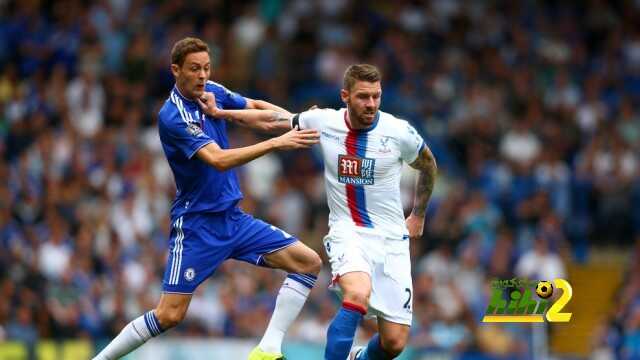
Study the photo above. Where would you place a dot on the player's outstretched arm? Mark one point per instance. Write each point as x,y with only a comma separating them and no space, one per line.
264,120
225,159
273,120
426,165
265,105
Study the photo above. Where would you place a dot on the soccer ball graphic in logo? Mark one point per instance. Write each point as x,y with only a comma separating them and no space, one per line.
544,289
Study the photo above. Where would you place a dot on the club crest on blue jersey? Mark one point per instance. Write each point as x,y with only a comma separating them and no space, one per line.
355,170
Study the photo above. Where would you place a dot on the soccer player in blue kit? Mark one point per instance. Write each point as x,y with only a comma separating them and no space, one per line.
207,225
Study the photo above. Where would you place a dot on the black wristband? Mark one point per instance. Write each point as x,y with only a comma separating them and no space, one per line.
295,121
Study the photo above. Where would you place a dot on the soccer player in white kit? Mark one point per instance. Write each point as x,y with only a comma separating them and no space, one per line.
368,242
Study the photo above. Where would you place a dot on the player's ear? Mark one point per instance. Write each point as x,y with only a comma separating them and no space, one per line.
344,95
175,69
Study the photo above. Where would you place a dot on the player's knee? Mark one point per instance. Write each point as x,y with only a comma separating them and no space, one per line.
310,264
393,345
314,264
169,318
357,296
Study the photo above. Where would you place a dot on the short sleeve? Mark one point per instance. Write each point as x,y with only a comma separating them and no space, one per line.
312,119
226,98
186,137
411,143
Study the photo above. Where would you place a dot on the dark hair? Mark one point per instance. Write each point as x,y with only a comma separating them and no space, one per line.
360,72
185,47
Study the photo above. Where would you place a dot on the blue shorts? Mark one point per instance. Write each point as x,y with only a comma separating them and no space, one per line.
200,242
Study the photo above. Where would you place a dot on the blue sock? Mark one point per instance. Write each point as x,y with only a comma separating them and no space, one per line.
342,330
373,351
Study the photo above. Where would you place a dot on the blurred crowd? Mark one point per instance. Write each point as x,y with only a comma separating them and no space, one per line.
620,337
530,107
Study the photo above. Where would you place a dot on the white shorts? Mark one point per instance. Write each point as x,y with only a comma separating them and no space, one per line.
387,262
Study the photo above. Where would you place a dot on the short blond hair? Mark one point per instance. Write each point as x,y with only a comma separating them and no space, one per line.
360,72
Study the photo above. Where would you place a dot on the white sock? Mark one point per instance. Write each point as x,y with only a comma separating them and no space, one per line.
131,337
291,298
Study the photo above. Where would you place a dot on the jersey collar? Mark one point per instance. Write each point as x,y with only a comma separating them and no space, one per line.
175,89
373,126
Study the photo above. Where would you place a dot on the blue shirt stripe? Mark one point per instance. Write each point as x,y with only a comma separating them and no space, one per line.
361,201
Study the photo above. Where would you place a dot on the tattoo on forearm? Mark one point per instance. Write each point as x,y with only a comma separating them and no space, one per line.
275,121
426,164
279,116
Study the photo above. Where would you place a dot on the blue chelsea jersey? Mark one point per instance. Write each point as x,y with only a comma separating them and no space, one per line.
184,130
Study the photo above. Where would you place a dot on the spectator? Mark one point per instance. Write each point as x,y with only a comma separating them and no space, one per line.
540,263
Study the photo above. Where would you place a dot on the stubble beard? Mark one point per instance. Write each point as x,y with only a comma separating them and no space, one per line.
358,119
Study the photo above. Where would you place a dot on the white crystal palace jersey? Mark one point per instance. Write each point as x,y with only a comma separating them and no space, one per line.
362,168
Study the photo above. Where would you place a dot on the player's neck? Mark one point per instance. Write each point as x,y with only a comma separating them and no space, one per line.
183,93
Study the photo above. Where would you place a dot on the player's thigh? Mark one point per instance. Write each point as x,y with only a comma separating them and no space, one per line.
355,287
198,245
392,290
256,240
297,258
172,308
393,336
348,252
